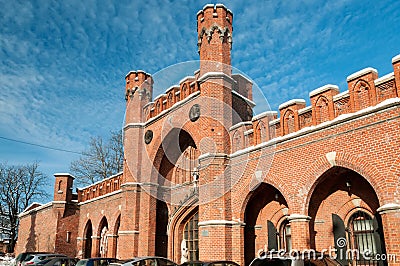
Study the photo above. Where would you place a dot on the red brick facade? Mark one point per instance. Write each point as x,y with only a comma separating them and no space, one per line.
254,182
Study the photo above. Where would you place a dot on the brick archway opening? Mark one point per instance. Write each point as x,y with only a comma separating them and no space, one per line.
175,161
87,240
262,213
115,237
102,238
338,193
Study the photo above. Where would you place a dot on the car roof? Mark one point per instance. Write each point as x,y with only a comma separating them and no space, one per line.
209,262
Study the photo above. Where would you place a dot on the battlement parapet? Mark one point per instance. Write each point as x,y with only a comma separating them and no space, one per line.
100,188
365,90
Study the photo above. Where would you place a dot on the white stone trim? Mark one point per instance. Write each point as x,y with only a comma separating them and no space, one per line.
219,223
264,114
212,155
159,96
298,218
184,79
170,89
390,207
39,208
63,174
341,95
384,78
240,124
148,104
134,125
311,129
127,184
274,122
324,89
291,102
396,59
248,132
150,184
243,76
360,73
173,107
247,100
131,232
305,110
331,157
214,75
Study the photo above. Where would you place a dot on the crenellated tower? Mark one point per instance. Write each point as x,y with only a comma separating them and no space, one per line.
214,29
138,93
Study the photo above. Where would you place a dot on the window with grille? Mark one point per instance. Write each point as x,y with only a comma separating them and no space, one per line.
361,235
285,236
191,235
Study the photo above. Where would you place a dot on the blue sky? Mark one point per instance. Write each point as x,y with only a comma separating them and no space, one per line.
63,63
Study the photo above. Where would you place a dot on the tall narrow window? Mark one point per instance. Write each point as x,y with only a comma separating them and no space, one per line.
191,236
285,237
361,235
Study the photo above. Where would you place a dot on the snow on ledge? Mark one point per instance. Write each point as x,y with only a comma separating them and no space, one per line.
305,110
383,79
137,71
63,174
264,114
340,95
362,72
396,59
185,79
171,88
220,222
310,129
240,124
291,102
324,89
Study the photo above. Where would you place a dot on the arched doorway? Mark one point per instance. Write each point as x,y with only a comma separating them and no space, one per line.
175,160
115,237
103,233
87,240
265,209
161,229
343,215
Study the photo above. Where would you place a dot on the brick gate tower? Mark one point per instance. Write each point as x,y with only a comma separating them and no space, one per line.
204,179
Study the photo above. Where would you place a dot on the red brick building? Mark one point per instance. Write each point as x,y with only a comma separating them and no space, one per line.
204,178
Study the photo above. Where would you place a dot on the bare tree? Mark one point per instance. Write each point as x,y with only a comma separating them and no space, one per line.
101,160
19,187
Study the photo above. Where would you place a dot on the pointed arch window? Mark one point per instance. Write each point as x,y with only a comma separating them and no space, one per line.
191,236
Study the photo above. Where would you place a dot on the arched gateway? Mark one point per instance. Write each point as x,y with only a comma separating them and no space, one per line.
204,178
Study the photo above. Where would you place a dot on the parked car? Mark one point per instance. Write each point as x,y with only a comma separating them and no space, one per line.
210,263
34,259
148,261
96,261
22,257
60,261
309,259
